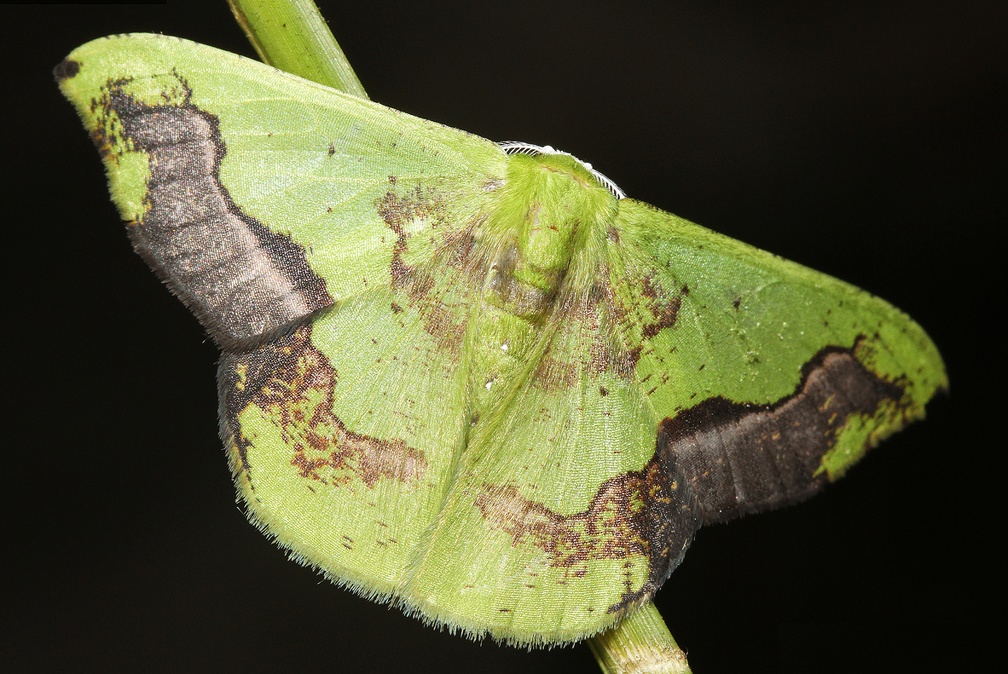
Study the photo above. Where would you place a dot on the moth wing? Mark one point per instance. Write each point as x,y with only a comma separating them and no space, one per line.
325,242
697,379
767,379
257,196
562,518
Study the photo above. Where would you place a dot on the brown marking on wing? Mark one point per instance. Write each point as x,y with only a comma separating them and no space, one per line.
713,461
646,514
66,69
644,305
742,458
452,249
241,279
398,212
293,383
662,306
460,248
652,308
598,319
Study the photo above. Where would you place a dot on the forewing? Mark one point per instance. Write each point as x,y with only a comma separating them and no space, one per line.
766,379
257,196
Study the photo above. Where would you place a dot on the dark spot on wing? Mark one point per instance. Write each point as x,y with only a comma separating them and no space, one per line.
242,280
399,212
66,69
660,307
293,383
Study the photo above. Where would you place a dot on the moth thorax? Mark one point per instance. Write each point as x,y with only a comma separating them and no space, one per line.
550,200
549,206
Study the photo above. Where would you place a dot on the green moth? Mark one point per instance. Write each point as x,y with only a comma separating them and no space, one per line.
473,379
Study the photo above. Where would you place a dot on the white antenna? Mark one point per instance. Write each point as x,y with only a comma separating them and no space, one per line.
518,147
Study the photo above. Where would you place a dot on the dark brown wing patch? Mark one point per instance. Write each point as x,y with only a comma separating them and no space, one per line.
66,69
292,382
241,279
742,458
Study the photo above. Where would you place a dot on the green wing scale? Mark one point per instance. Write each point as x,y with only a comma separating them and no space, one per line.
475,384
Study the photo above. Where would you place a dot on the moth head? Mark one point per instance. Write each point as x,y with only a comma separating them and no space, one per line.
550,156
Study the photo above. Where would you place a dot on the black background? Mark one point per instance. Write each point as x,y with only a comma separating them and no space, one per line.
863,141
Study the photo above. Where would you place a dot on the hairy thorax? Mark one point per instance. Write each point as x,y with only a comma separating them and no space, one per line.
551,213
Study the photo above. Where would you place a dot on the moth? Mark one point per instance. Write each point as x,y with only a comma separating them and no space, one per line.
472,379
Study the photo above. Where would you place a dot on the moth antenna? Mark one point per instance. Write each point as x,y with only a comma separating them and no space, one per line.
520,147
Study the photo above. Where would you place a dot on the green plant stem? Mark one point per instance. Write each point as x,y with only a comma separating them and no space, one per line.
640,643
292,35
